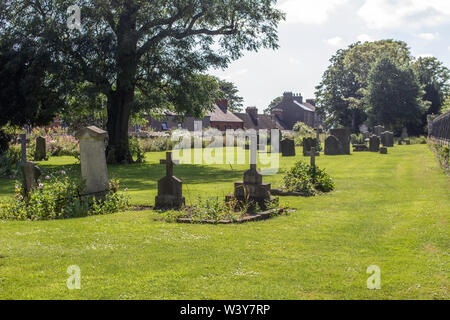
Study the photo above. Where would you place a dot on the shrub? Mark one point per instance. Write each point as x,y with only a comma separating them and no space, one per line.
9,160
357,138
305,179
303,129
59,197
136,150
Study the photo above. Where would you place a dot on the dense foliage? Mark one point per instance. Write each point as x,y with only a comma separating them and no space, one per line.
59,197
307,180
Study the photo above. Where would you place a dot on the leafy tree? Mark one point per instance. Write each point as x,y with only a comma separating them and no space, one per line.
229,91
152,48
435,78
446,106
394,94
340,96
273,104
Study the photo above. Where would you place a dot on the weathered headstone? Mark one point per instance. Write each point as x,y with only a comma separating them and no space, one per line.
343,135
332,146
383,150
374,144
170,188
23,146
360,147
30,176
387,139
41,149
287,147
93,160
308,144
378,130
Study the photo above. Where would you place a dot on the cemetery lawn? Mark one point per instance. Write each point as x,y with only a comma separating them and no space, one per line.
387,210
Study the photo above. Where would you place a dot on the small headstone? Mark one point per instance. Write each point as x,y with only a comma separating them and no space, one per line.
360,148
374,144
404,133
383,150
387,139
343,135
332,146
41,150
93,160
407,142
170,188
287,147
30,176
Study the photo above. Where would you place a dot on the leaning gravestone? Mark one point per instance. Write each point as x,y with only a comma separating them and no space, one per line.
387,139
332,146
170,188
41,150
93,160
374,144
343,135
287,147
30,176
308,144
378,130
383,150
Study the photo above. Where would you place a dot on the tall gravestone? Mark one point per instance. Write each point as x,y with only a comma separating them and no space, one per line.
387,139
374,144
41,149
170,188
93,160
287,148
378,130
332,146
404,134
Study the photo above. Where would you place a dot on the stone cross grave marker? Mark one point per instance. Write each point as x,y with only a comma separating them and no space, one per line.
313,157
23,144
170,188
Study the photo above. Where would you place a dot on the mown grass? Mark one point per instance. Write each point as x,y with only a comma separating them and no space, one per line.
387,210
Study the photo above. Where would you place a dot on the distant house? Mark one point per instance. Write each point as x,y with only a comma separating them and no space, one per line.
293,109
253,120
220,118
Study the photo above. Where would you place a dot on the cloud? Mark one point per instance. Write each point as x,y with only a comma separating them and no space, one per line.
388,14
428,36
309,12
364,38
294,61
336,41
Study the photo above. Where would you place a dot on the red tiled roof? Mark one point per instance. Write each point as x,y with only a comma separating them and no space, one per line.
222,115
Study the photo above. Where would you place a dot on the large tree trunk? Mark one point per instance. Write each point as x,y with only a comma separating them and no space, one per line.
121,99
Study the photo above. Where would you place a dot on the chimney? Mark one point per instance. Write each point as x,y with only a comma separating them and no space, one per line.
223,104
287,96
252,111
298,97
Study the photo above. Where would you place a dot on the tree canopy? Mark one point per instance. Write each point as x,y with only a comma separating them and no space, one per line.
154,48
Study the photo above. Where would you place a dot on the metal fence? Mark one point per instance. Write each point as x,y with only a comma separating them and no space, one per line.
439,129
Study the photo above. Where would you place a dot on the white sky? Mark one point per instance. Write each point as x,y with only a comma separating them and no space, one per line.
315,29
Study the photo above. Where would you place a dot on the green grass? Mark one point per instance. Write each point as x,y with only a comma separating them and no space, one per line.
387,210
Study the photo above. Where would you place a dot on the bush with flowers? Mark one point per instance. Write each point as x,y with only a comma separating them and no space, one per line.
59,197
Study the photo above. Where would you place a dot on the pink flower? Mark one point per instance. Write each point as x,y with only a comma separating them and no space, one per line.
41,185
63,172
47,177
21,197
126,189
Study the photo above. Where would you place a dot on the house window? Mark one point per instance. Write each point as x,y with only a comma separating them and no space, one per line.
164,126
